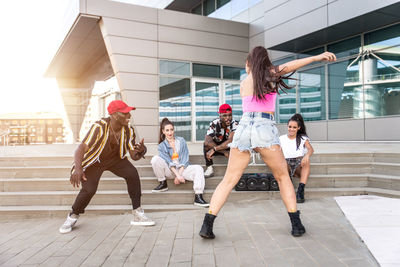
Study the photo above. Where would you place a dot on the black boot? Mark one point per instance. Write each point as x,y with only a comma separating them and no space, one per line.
297,227
163,186
300,193
207,228
199,201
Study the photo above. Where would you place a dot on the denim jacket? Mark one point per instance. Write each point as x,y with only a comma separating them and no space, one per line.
165,152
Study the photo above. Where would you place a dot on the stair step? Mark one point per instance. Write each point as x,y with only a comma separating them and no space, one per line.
27,212
148,183
219,170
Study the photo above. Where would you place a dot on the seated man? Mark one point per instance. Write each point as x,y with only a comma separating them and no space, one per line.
218,137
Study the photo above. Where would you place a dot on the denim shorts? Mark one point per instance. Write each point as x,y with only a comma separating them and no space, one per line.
256,129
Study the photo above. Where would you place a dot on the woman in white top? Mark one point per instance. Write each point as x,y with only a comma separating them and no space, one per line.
297,150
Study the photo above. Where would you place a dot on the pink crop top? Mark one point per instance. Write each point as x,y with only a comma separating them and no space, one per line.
251,104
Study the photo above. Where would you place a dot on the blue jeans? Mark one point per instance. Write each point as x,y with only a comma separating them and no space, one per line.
256,130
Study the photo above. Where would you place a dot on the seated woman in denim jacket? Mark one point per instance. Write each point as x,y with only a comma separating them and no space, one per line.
173,161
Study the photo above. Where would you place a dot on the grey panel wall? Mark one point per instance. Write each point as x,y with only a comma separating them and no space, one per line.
137,37
382,129
288,19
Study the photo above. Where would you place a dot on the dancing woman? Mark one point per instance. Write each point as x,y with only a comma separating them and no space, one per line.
257,131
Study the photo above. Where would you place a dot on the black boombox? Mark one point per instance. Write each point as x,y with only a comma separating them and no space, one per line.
257,182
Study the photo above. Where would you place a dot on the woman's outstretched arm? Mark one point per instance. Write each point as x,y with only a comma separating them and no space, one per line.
299,63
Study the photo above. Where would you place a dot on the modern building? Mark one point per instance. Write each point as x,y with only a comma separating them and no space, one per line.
31,128
185,57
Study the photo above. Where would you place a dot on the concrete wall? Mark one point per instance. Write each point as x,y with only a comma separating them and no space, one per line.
288,19
137,37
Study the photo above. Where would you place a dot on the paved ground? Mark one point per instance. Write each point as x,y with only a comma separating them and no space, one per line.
251,233
377,221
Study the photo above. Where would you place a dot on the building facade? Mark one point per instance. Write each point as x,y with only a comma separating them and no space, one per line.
183,61
31,128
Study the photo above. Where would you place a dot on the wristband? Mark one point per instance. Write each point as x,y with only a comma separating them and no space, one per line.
215,150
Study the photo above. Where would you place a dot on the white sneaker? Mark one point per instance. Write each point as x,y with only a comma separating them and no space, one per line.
139,218
68,224
209,172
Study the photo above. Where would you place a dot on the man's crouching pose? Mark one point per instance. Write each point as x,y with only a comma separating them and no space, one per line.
104,148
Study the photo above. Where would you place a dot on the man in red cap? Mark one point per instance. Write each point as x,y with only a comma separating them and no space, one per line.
104,148
218,137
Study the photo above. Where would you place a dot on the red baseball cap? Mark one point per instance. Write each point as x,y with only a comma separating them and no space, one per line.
225,108
119,106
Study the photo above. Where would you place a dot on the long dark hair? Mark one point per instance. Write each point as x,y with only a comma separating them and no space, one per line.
266,76
163,123
302,131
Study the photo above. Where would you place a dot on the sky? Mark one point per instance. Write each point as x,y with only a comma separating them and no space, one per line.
29,31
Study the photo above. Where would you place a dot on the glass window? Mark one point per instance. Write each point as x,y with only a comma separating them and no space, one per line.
175,104
174,67
220,3
49,130
197,10
312,94
232,97
345,90
208,7
233,73
207,103
283,60
346,48
382,83
312,52
382,38
203,70
286,103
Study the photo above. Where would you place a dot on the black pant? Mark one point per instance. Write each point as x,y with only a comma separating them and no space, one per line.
210,162
122,168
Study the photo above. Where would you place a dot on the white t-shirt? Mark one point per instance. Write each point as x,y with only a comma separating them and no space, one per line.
289,147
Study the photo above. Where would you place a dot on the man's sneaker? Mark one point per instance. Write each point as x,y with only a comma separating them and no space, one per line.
163,186
139,218
209,172
199,201
69,223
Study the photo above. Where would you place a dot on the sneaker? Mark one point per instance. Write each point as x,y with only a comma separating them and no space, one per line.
199,201
69,223
209,172
163,186
139,218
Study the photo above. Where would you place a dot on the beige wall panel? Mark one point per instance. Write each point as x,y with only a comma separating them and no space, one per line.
296,27
145,116
346,130
149,133
342,10
271,4
135,64
242,17
129,46
387,129
195,22
256,40
199,38
201,54
291,10
113,9
140,99
256,12
256,27
139,82
127,28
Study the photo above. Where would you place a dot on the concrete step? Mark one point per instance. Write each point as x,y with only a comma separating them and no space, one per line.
219,170
148,183
120,197
386,168
32,161
28,212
